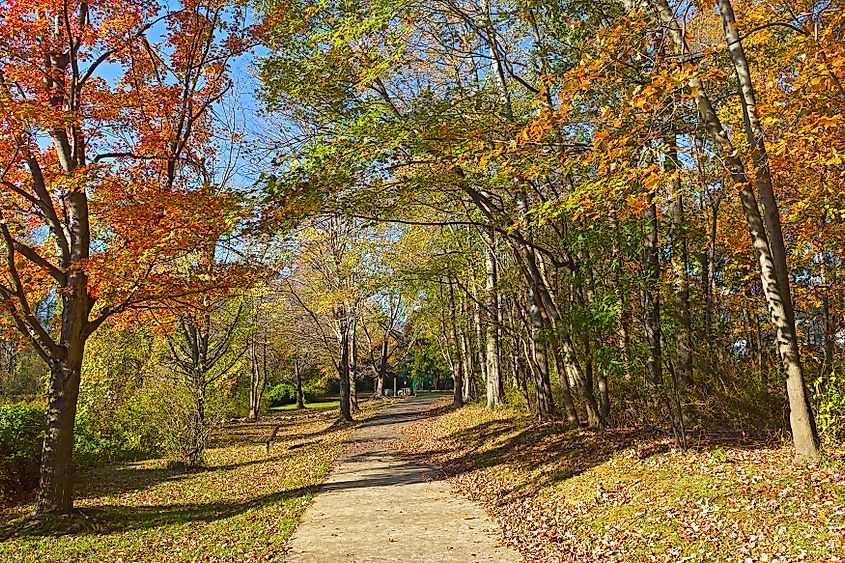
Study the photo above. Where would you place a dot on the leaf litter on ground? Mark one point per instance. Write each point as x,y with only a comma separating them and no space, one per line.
626,495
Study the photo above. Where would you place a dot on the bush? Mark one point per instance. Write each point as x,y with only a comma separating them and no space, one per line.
829,399
111,425
21,435
316,390
281,394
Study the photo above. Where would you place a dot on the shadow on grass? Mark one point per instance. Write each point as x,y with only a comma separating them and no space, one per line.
112,519
121,480
115,519
551,452
128,478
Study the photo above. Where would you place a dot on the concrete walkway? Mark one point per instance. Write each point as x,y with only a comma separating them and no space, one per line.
379,507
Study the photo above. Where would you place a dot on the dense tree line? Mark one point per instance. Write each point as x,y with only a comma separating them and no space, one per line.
585,173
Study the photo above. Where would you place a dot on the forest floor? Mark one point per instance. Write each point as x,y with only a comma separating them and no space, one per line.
242,507
624,495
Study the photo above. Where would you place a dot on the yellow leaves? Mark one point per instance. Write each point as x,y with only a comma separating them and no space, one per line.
834,160
651,178
770,121
828,121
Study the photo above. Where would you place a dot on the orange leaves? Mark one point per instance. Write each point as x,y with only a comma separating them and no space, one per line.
122,120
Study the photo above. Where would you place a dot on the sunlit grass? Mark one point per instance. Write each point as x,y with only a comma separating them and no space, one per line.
627,495
333,404
242,507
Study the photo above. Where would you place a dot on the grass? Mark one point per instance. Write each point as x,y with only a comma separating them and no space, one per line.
330,404
625,495
243,507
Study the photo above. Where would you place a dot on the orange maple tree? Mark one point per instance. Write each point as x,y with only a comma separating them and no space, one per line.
106,136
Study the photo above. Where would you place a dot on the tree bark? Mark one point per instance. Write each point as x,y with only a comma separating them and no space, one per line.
297,378
480,348
343,368
458,371
466,351
651,295
827,321
382,367
680,272
353,366
543,388
568,402
623,338
708,281
55,491
495,391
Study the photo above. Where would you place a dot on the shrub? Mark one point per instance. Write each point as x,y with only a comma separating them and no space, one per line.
281,394
21,434
111,425
829,399
316,390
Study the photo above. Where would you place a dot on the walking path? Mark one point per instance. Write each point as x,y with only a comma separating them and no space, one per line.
379,507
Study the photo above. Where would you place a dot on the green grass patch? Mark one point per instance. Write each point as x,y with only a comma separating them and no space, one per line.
242,507
330,404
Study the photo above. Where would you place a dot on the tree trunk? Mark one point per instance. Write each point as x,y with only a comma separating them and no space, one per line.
568,402
382,367
761,351
583,379
604,393
826,317
254,383
263,387
604,398
343,370
467,350
804,433
297,380
651,295
545,401
493,376
680,269
458,371
480,347
708,270
55,491
623,338
519,373
353,366
196,454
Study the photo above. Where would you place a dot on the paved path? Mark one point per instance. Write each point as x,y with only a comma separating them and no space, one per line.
380,507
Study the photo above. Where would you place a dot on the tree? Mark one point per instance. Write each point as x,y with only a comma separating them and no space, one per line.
203,352
765,230
97,202
617,144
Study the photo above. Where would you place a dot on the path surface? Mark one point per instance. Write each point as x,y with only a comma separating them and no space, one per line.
379,507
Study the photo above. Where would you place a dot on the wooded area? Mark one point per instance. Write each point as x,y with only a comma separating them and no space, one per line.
614,216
